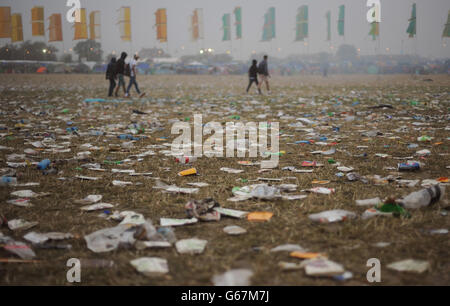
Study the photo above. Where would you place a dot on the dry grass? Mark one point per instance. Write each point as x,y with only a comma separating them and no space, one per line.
349,243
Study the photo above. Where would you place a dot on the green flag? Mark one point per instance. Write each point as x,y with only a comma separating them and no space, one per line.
412,22
446,32
374,30
341,21
226,26
302,23
238,18
269,25
328,16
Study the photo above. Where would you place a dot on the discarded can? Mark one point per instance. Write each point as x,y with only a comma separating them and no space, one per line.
409,166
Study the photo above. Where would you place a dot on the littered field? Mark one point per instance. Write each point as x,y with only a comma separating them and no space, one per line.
48,115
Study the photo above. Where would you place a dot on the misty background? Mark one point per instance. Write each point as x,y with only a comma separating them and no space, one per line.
393,39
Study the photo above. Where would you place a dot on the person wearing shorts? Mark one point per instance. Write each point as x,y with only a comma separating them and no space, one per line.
263,72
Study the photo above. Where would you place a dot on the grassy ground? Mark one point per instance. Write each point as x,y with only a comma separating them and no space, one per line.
217,99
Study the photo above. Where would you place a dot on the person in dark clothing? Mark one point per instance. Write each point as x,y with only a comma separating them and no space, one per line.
111,76
253,75
263,72
120,70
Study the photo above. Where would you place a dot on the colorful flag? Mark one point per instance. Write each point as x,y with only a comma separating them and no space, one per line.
446,32
55,28
5,22
125,23
374,30
94,25
412,23
81,27
328,17
238,23
269,25
16,28
161,25
302,23
37,21
226,26
341,21
197,24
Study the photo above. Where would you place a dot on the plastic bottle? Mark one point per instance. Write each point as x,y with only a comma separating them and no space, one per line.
8,180
186,159
424,197
43,164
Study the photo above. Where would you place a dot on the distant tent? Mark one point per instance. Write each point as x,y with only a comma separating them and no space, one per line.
446,32
412,23
41,69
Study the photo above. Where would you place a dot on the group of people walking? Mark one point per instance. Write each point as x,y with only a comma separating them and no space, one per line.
263,71
117,70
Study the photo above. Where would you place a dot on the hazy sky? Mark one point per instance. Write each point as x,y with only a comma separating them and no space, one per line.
431,17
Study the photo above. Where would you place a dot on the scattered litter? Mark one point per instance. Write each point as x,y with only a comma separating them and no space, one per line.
259,216
410,265
236,277
331,216
150,266
190,246
234,230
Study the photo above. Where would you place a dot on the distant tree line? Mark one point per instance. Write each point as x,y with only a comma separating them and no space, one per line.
32,51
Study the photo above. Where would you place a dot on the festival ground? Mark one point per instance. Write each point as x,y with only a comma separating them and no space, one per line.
41,107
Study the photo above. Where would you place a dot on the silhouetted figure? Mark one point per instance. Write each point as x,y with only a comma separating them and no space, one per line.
253,75
111,75
120,70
